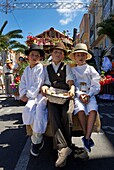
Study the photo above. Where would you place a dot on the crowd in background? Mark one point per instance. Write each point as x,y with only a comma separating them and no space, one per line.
10,73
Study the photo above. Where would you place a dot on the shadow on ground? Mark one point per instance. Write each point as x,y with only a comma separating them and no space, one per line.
8,102
47,157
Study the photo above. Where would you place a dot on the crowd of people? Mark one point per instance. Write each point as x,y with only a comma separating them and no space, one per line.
9,72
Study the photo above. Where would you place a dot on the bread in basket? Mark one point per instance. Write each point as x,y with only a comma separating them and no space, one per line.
58,96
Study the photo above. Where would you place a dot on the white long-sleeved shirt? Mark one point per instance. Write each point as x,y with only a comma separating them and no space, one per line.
7,70
31,81
90,76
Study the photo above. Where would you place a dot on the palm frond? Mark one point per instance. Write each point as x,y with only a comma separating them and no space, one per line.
14,32
7,41
4,38
20,50
3,26
13,42
15,36
17,46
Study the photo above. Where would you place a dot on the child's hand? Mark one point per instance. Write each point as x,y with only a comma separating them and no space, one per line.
24,98
84,98
44,90
71,93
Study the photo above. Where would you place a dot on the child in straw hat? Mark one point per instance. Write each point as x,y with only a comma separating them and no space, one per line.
60,76
87,86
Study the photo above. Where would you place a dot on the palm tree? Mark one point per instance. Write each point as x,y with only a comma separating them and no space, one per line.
7,40
106,27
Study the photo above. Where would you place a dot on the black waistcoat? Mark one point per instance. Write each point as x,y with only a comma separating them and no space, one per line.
58,80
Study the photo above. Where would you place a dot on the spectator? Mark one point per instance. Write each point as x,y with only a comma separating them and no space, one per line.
8,76
106,65
1,78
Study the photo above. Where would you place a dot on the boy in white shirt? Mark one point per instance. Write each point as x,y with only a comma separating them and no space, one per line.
34,113
87,86
59,76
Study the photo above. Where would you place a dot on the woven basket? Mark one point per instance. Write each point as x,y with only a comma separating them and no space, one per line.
55,98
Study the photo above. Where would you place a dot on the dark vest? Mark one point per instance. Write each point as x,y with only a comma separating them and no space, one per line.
58,80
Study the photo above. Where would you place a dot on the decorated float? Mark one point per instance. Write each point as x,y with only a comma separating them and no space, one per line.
107,88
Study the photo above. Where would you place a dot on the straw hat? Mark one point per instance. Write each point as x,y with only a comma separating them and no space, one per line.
34,47
59,46
80,47
8,61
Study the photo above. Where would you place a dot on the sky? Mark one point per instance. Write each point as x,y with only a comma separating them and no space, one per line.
35,21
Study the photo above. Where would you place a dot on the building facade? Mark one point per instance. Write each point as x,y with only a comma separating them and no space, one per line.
84,29
98,11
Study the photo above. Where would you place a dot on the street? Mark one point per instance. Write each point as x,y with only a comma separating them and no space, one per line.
15,145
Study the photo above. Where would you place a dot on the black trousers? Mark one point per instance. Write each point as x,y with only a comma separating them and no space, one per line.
59,122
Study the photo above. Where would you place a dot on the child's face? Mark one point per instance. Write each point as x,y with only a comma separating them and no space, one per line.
80,58
57,56
34,58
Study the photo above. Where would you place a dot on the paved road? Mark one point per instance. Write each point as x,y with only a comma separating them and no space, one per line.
14,145
12,133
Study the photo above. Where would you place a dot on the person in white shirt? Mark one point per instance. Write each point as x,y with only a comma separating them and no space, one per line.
59,76
87,86
34,113
1,78
8,76
106,65
17,65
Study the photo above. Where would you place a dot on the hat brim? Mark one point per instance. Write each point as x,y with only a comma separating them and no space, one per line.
71,56
59,48
8,62
27,52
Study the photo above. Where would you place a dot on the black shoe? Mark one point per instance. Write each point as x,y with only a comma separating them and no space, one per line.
35,148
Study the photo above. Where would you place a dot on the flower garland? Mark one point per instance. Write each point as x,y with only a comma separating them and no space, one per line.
107,85
30,40
15,85
44,41
106,80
